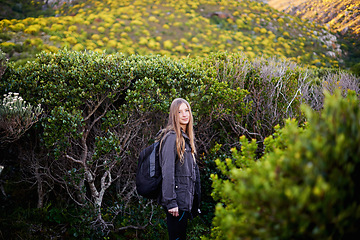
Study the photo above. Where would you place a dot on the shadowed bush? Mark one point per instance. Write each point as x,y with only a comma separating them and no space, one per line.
306,186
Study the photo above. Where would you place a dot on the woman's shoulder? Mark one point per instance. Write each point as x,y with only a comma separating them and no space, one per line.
164,134
170,134
168,139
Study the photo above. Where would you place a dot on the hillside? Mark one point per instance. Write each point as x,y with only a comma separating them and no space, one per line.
173,28
21,9
341,15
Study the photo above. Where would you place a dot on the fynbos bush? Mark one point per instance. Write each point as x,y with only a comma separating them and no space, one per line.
16,116
306,186
100,110
3,63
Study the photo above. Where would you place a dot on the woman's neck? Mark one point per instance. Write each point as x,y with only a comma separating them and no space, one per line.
183,128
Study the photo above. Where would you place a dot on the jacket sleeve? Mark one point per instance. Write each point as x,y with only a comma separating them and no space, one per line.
167,161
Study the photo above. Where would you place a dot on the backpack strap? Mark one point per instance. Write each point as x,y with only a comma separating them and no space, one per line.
152,159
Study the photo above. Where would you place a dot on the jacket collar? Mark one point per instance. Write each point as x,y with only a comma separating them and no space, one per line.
185,135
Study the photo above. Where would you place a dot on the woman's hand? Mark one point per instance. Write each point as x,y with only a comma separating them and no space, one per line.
174,211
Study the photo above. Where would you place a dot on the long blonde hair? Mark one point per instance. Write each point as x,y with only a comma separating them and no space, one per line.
174,124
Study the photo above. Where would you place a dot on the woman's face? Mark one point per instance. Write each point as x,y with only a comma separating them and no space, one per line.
184,116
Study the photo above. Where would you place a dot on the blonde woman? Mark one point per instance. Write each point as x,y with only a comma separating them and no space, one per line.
180,194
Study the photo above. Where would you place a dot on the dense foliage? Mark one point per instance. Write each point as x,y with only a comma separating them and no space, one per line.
305,186
100,110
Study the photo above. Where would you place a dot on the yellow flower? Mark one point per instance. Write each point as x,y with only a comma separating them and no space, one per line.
33,29
112,43
143,41
101,29
72,28
95,37
100,43
71,40
124,35
17,27
78,47
153,19
168,44
195,40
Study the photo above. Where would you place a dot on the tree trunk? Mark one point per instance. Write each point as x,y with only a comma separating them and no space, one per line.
40,190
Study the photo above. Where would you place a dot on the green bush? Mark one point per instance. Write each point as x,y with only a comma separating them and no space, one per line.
273,90
100,110
306,185
3,63
356,69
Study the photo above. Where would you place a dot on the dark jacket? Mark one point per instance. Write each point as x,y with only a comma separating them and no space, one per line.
181,182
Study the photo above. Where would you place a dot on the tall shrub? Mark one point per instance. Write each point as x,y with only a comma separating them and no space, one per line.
274,91
100,111
306,186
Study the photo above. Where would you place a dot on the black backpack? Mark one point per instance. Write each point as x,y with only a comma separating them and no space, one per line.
148,174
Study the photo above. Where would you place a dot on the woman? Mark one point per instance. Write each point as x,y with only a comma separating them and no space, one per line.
180,195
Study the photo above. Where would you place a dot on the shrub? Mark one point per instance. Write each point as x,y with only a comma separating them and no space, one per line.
3,63
78,47
56,27
50,48
33,29
356,69
112,43
153,19
70,40
100,43
7,46
55,38
72,28
168,44
17,27
306,186
16,117
101,109
101,29
95,37
136,22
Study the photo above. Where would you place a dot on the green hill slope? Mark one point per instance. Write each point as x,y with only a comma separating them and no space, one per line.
173,28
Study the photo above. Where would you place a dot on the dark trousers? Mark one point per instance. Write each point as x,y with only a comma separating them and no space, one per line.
177,225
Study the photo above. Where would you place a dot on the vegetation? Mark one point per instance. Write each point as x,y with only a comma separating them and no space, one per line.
304,186
99,110
192,28
3,63
16,117
96,82
21,9
339,16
